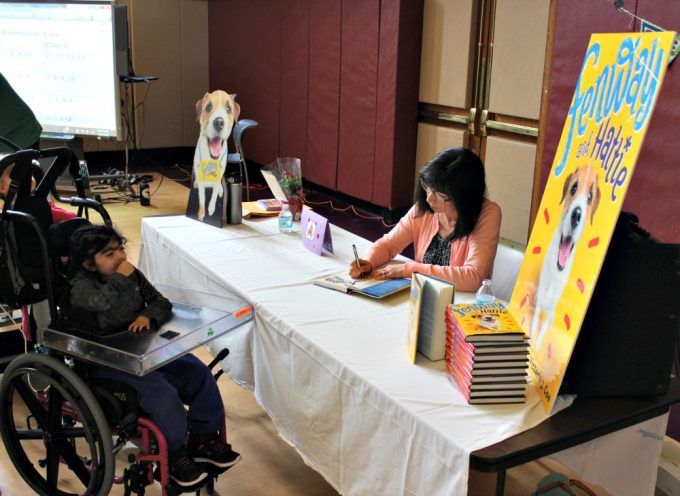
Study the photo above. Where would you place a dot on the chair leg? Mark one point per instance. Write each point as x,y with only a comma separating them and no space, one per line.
244,174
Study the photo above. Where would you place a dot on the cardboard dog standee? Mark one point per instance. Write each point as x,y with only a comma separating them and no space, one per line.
606,123
216,113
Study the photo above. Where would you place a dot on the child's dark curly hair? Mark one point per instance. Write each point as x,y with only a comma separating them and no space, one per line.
89,240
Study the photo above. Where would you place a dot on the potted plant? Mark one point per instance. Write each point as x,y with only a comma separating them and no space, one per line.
289,177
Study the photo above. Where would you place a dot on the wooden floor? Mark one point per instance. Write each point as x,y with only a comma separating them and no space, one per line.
269,466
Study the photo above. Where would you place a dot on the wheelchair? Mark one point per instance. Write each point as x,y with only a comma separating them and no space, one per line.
54,420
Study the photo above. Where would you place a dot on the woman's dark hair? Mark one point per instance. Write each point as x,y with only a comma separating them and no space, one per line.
458,174
89,240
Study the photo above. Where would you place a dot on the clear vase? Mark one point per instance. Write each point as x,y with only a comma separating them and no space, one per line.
295,205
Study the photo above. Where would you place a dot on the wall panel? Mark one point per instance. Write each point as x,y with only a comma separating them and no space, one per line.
517,73
294,80
397,111
323,92
508,165
446,48
358,92
245,58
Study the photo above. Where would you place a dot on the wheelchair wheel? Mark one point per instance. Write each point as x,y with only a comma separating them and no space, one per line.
51,423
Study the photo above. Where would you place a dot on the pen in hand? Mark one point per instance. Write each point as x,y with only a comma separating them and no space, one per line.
356,259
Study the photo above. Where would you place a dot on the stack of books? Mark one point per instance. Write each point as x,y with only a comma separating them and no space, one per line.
487,353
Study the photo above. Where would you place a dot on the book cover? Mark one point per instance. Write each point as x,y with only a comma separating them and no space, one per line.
514,368
413,329
436,294
496,339
500,386
497,400
473,352
485,361
482,348
372,287
485,322
270,204
493,379
514,392
457,366
592,169
469,368
500,392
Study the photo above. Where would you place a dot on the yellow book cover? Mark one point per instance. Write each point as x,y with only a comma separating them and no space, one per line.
605,125
484,322
413,318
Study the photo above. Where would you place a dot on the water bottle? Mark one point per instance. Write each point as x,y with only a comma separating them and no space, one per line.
285,219
234,208
485,292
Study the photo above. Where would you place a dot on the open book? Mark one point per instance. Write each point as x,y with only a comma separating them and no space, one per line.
375,288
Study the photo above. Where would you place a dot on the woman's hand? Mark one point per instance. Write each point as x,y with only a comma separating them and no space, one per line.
394,271
363,269
140,324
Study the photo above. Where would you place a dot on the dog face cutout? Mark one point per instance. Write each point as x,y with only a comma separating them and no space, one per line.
216,114
580,199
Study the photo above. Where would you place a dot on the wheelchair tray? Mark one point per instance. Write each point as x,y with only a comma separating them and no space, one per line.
190,327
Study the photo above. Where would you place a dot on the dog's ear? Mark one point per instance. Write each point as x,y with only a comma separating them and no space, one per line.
565,188
199,106
596,201
237,111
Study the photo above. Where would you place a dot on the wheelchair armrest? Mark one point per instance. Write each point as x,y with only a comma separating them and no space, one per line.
219,357
88,203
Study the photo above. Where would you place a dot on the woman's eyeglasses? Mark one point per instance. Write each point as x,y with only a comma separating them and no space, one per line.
439,196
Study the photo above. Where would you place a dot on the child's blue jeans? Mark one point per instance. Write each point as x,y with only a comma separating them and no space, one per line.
164,392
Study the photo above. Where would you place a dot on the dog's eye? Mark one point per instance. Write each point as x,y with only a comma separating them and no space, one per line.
590,196
208,108
573,189
228,109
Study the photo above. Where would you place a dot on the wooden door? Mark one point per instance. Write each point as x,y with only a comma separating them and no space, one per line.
487,95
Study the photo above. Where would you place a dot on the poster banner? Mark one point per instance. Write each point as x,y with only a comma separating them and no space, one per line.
606,123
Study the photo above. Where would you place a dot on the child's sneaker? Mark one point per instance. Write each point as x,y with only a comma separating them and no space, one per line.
183,470
209,448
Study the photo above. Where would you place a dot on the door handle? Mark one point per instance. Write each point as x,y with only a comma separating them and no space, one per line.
458,119
482,122
471,120
468,120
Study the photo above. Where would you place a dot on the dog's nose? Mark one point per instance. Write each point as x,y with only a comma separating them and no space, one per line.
576,217
218,124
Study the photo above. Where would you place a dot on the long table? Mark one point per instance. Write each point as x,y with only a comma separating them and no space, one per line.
330,369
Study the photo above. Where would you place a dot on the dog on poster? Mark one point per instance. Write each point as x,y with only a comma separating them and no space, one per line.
216,113
580,199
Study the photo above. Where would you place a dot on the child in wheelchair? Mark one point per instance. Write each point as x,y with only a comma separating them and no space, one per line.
108,295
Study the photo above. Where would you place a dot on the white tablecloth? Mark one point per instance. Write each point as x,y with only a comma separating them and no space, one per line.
331,369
